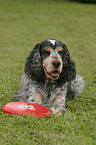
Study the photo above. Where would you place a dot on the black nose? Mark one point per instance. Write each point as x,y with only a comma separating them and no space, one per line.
56,64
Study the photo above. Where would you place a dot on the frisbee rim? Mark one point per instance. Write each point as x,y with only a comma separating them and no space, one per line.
28,112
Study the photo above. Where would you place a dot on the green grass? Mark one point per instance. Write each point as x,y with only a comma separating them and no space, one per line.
24,23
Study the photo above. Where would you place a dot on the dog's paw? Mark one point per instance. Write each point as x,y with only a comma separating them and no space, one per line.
56,111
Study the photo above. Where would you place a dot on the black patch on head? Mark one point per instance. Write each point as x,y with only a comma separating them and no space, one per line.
48,43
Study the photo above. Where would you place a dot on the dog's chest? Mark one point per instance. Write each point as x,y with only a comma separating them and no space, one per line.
48,90
49,87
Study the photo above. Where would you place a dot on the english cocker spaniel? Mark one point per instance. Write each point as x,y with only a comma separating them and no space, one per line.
50,76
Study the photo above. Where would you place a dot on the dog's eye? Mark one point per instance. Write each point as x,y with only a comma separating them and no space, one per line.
46,53
60,53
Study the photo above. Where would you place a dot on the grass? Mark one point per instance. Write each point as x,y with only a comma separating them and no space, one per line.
24,23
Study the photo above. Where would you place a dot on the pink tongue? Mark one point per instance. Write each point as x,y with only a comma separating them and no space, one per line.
54,74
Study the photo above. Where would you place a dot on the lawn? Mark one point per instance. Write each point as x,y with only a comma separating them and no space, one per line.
24,23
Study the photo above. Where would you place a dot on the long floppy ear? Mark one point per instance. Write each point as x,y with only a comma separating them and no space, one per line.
33,65
69,71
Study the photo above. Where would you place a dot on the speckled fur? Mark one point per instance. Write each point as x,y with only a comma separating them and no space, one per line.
50,93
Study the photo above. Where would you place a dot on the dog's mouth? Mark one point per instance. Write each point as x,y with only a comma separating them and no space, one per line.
53,75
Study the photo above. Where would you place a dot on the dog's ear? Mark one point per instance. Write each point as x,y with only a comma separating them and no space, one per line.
33,65
69,71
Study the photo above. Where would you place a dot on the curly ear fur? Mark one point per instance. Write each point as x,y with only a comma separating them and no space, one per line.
33,65
68,72
34,68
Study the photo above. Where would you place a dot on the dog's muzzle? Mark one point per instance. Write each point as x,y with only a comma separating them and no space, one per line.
56,64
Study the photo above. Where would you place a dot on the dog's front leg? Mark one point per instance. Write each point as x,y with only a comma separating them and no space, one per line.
35,97
58,104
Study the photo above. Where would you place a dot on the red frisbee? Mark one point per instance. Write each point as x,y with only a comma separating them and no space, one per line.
24,108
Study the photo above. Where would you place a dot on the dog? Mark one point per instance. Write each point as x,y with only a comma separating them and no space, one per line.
50,77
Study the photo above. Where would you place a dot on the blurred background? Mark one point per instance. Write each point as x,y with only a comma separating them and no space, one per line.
24,23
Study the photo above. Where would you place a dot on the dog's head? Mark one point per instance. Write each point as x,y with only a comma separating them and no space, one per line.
50,59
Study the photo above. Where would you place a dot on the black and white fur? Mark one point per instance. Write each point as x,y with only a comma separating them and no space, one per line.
50,76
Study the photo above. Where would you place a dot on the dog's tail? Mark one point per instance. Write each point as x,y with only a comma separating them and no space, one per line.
75,87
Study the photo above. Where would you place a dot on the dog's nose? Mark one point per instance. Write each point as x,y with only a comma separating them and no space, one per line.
56,64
